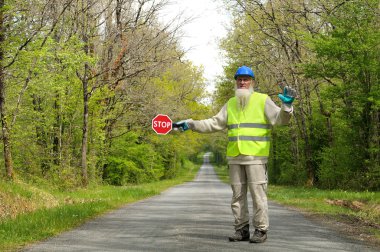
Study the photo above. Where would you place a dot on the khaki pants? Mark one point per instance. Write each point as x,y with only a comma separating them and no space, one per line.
255,178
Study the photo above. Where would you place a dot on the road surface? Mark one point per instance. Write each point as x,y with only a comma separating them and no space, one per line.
194,216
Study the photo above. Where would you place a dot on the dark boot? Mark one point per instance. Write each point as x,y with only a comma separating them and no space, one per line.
258,236
240,234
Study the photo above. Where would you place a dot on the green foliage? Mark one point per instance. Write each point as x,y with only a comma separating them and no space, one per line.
177,92
50,108
332,59
336,117
347,54
132,162
283,167
217,146
118,171
49,53
224,90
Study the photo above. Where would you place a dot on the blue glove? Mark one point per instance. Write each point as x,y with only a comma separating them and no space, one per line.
181,125
288,96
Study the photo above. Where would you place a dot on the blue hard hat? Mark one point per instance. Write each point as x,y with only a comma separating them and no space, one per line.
244,70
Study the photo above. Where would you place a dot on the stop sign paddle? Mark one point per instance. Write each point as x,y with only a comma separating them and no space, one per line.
162,124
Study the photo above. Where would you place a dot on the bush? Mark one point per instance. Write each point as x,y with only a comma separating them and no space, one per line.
119,172
132,161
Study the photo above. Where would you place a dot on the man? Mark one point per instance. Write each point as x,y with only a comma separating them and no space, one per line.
248,117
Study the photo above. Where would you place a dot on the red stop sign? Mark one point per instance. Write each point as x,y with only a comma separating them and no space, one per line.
162,124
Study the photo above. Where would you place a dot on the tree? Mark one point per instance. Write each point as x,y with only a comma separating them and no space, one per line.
347,57
328,50
21,26
73,77
3,113
269,37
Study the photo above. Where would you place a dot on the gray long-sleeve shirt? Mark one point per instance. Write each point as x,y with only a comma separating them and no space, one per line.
274,114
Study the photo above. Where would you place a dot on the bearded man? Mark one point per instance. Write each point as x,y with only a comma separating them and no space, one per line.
249,117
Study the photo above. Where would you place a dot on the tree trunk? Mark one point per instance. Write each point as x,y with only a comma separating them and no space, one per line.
41,135
57,137
5,129
327,115
309,139
85,127
84,79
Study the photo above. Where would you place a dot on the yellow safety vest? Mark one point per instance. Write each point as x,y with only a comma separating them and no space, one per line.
248,130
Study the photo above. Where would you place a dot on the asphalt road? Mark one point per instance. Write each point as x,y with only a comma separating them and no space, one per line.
194,216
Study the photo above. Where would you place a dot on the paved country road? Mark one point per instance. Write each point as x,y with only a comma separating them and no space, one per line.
194,216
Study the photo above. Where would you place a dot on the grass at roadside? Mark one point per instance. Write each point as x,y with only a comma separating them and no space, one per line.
73,208
358,209
361,210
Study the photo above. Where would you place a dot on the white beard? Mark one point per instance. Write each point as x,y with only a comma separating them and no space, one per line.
242,97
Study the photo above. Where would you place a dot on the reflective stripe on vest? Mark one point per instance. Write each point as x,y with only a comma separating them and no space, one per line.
249,125
248,130
249,138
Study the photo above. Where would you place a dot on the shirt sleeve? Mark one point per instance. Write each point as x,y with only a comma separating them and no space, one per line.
213,124
276,115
